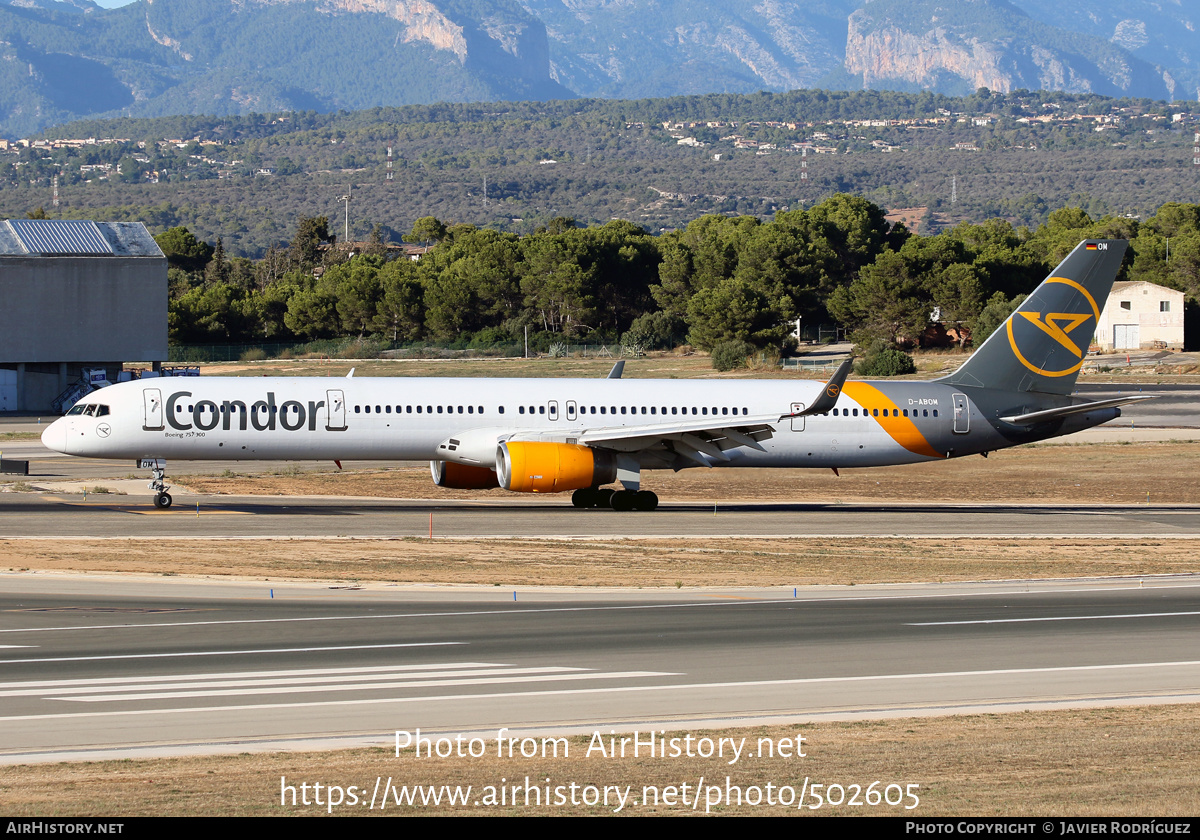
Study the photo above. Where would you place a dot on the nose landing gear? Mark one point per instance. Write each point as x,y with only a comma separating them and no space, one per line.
158,469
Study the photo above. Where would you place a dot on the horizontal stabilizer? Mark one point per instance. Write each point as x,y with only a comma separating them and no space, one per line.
1066,410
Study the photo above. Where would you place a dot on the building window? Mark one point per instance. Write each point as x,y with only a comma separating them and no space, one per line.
1164,306
1125,304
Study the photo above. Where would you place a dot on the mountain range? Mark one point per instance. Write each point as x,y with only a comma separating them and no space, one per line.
65,59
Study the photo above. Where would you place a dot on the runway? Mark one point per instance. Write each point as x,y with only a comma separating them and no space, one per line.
27,515
97,668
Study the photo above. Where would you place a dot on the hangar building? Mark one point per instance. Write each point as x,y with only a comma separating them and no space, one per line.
76,295
1141,316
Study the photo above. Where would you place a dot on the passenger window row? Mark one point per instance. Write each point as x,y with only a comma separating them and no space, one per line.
656,411
705,411
421,409
874,412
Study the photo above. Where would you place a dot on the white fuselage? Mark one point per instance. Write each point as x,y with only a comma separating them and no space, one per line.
409,419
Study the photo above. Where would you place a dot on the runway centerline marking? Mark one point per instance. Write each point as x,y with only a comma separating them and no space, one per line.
182,654
557,675
192,710
1049,618
298,673
281,685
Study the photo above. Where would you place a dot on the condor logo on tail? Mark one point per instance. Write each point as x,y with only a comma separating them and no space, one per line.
1063,327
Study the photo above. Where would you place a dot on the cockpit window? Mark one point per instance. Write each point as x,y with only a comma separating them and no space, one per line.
88,409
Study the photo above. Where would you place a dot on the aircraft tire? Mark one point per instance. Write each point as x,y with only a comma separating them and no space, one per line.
584,498
603,497
162,500
645,500
622,500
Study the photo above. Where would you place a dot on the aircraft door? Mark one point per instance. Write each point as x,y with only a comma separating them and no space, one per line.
571,410
797,422
154,410
336,403
552,409
962,414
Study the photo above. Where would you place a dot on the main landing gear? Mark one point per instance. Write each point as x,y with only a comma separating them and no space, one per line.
616,499
158,468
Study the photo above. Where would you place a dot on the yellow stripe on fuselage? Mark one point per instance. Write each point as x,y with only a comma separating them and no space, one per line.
900,429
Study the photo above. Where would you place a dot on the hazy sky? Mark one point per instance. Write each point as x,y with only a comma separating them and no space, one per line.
113,4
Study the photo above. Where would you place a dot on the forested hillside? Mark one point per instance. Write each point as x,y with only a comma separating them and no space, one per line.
657,163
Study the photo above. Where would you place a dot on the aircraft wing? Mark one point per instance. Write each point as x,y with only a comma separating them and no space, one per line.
712,436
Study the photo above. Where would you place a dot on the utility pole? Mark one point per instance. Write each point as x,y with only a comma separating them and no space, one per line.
346,198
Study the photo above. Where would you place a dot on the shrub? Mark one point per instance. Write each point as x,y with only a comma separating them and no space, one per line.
654,331
729,355
888,362
361,348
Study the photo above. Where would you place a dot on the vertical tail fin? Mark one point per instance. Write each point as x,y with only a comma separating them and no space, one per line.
1042,345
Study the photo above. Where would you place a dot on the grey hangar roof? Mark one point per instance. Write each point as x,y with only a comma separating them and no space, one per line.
62,238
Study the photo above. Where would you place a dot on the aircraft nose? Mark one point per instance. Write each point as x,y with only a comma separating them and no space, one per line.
55,436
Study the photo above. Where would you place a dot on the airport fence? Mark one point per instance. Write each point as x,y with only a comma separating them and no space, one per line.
374,349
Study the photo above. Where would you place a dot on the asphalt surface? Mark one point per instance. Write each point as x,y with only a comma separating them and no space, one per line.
99,517
98,668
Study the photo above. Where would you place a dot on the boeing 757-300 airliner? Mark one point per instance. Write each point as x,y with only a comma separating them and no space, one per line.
555,435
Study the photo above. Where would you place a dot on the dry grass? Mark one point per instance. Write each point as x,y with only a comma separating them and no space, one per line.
1100,762
19,436
662,365
614,562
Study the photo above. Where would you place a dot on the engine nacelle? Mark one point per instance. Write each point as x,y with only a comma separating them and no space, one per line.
462,476
540,467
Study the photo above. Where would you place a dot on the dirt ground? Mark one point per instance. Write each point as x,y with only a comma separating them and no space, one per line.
647,563
1138,761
